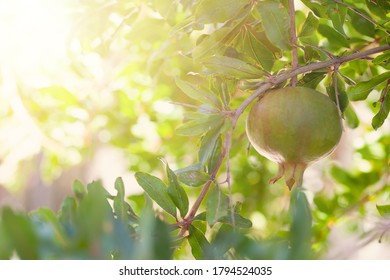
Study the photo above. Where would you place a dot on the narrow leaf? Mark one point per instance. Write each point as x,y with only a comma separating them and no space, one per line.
177,192
363,89
78,189
382,60
309,26
231,66
318,8
215,156
239,221
384,110
334,38
275,21
192,176
21,233
213,11
362,25
46,221
312,79
301,223
207,145
6,248
259,51
157,191
212,43
202,125
342,98
351,117
198,242
337,13
200,94
217,205
123,209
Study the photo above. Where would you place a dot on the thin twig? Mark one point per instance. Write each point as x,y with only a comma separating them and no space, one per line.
293,40
383,94
191,214
229,136
336,91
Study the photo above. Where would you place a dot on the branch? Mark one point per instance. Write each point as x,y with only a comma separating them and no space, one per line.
293,40
264,86
275,80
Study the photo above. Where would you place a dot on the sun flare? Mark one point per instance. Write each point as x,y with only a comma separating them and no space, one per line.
32,33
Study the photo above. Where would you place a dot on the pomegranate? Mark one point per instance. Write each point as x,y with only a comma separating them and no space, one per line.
293,127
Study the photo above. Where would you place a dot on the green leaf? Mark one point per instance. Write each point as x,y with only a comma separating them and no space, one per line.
384,110
155,240
363,89
351,117
78,189
362,25
382,60
192,176
200,94
311,54
258,50
207,146
342,95
337,14
217,205
68,210
275,21
334,38
384,210
232,67
177,192
48,220
198,242
92,227
211,44
213,11
123,209
157,191
310,26
215,156
119,200
318,7
376,7
239,221
312,79
21,234
201,125
301,225
6,248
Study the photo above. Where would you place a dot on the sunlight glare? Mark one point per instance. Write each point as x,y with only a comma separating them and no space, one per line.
32,34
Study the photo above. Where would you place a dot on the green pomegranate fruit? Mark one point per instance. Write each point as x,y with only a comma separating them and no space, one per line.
294,126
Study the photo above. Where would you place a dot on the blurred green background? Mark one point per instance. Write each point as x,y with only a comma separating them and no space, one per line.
88,92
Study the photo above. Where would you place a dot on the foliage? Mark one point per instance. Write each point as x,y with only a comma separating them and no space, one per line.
211,59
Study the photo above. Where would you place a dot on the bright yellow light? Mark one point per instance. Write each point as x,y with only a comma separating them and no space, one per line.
32,34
